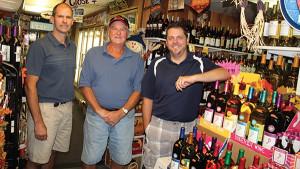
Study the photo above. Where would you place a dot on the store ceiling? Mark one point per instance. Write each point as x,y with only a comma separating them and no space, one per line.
38,6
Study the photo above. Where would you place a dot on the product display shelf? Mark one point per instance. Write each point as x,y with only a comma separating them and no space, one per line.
211,49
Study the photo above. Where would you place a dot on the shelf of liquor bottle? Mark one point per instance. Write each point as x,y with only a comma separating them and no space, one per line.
278,50
211,49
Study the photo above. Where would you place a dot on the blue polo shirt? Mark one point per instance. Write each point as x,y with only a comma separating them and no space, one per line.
159,85
54,64
111,80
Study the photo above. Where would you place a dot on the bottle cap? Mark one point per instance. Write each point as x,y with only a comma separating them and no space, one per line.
256,160
242,162
229,146
279,134
291,137
216,150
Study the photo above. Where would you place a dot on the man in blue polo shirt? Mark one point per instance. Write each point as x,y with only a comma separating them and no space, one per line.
171,91
110,81
49,91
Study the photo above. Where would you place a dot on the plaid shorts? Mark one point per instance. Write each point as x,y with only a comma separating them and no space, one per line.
160,137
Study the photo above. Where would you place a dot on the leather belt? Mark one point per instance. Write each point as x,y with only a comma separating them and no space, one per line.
114,109
58,103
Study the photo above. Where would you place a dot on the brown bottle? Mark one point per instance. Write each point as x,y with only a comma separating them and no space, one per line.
276,76
292,77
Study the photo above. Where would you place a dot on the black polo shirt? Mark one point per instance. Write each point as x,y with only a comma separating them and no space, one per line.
159,85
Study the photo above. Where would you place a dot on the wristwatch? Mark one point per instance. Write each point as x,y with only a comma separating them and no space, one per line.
125,110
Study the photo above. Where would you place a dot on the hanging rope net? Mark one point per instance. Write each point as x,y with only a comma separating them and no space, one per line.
252,34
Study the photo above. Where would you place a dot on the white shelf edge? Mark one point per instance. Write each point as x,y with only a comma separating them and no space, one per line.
279,48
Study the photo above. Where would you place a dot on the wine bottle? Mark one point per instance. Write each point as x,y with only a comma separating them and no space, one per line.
202,35
255,163
274,124
233,106
242,163
224,38
218,37
211,103
285,30
221,105
274,27
187,153
15,49
239,159
288,112
177,147
236,40
195,141
227,163
199,160
276,77
1,37
273,102
193,33
5,45
244,116
292,77
164,27
205,148
213,37
257,120
228,40
289,148
214,160
262,68
198,31
229,148
210,153
207,35
278,143
266,24
245,93
160,26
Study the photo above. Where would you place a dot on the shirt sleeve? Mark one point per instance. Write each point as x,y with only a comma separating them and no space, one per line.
35,59
138,75
148,83
208,64
86,71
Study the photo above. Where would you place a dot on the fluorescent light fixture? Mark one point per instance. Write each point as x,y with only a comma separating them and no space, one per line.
36,9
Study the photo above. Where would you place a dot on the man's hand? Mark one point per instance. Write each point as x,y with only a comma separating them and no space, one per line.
113,117
183,82
40,131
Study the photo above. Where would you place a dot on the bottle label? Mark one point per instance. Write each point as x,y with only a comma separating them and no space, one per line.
4,52
8,53
184,163
266,29
194,32
227,44
175,163
18,54
164,32
296,32
230,122
222,41
160,25
154,25
269,140
218,119
201,40
273,29
207,40
236,43
218,42
253,134
241,42
205,94
208,114
212,42
285,28
241,129
231,43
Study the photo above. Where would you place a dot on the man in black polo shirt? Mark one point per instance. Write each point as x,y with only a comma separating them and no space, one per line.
172,90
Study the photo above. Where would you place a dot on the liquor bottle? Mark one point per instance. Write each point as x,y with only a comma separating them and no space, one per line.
276,77
229,148
187,153
292,77
207,35
274,124
164,27
288,112
266,24
15,49
233,106
257,120
289,148
211,103
221,105
262,68
278,143
195,142
5,46
274,27
160,26
227,163
214,160
177,147
199,160
209,154
244,116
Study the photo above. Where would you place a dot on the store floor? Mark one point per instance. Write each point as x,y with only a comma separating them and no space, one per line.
71,159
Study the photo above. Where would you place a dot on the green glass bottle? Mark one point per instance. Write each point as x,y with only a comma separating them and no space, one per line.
227,164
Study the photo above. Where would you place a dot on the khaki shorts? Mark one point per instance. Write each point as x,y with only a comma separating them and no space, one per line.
58,121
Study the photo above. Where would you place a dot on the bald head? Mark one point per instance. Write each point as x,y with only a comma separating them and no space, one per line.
61,5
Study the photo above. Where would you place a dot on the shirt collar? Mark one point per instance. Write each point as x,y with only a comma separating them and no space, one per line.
124,55
187,59
52,38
